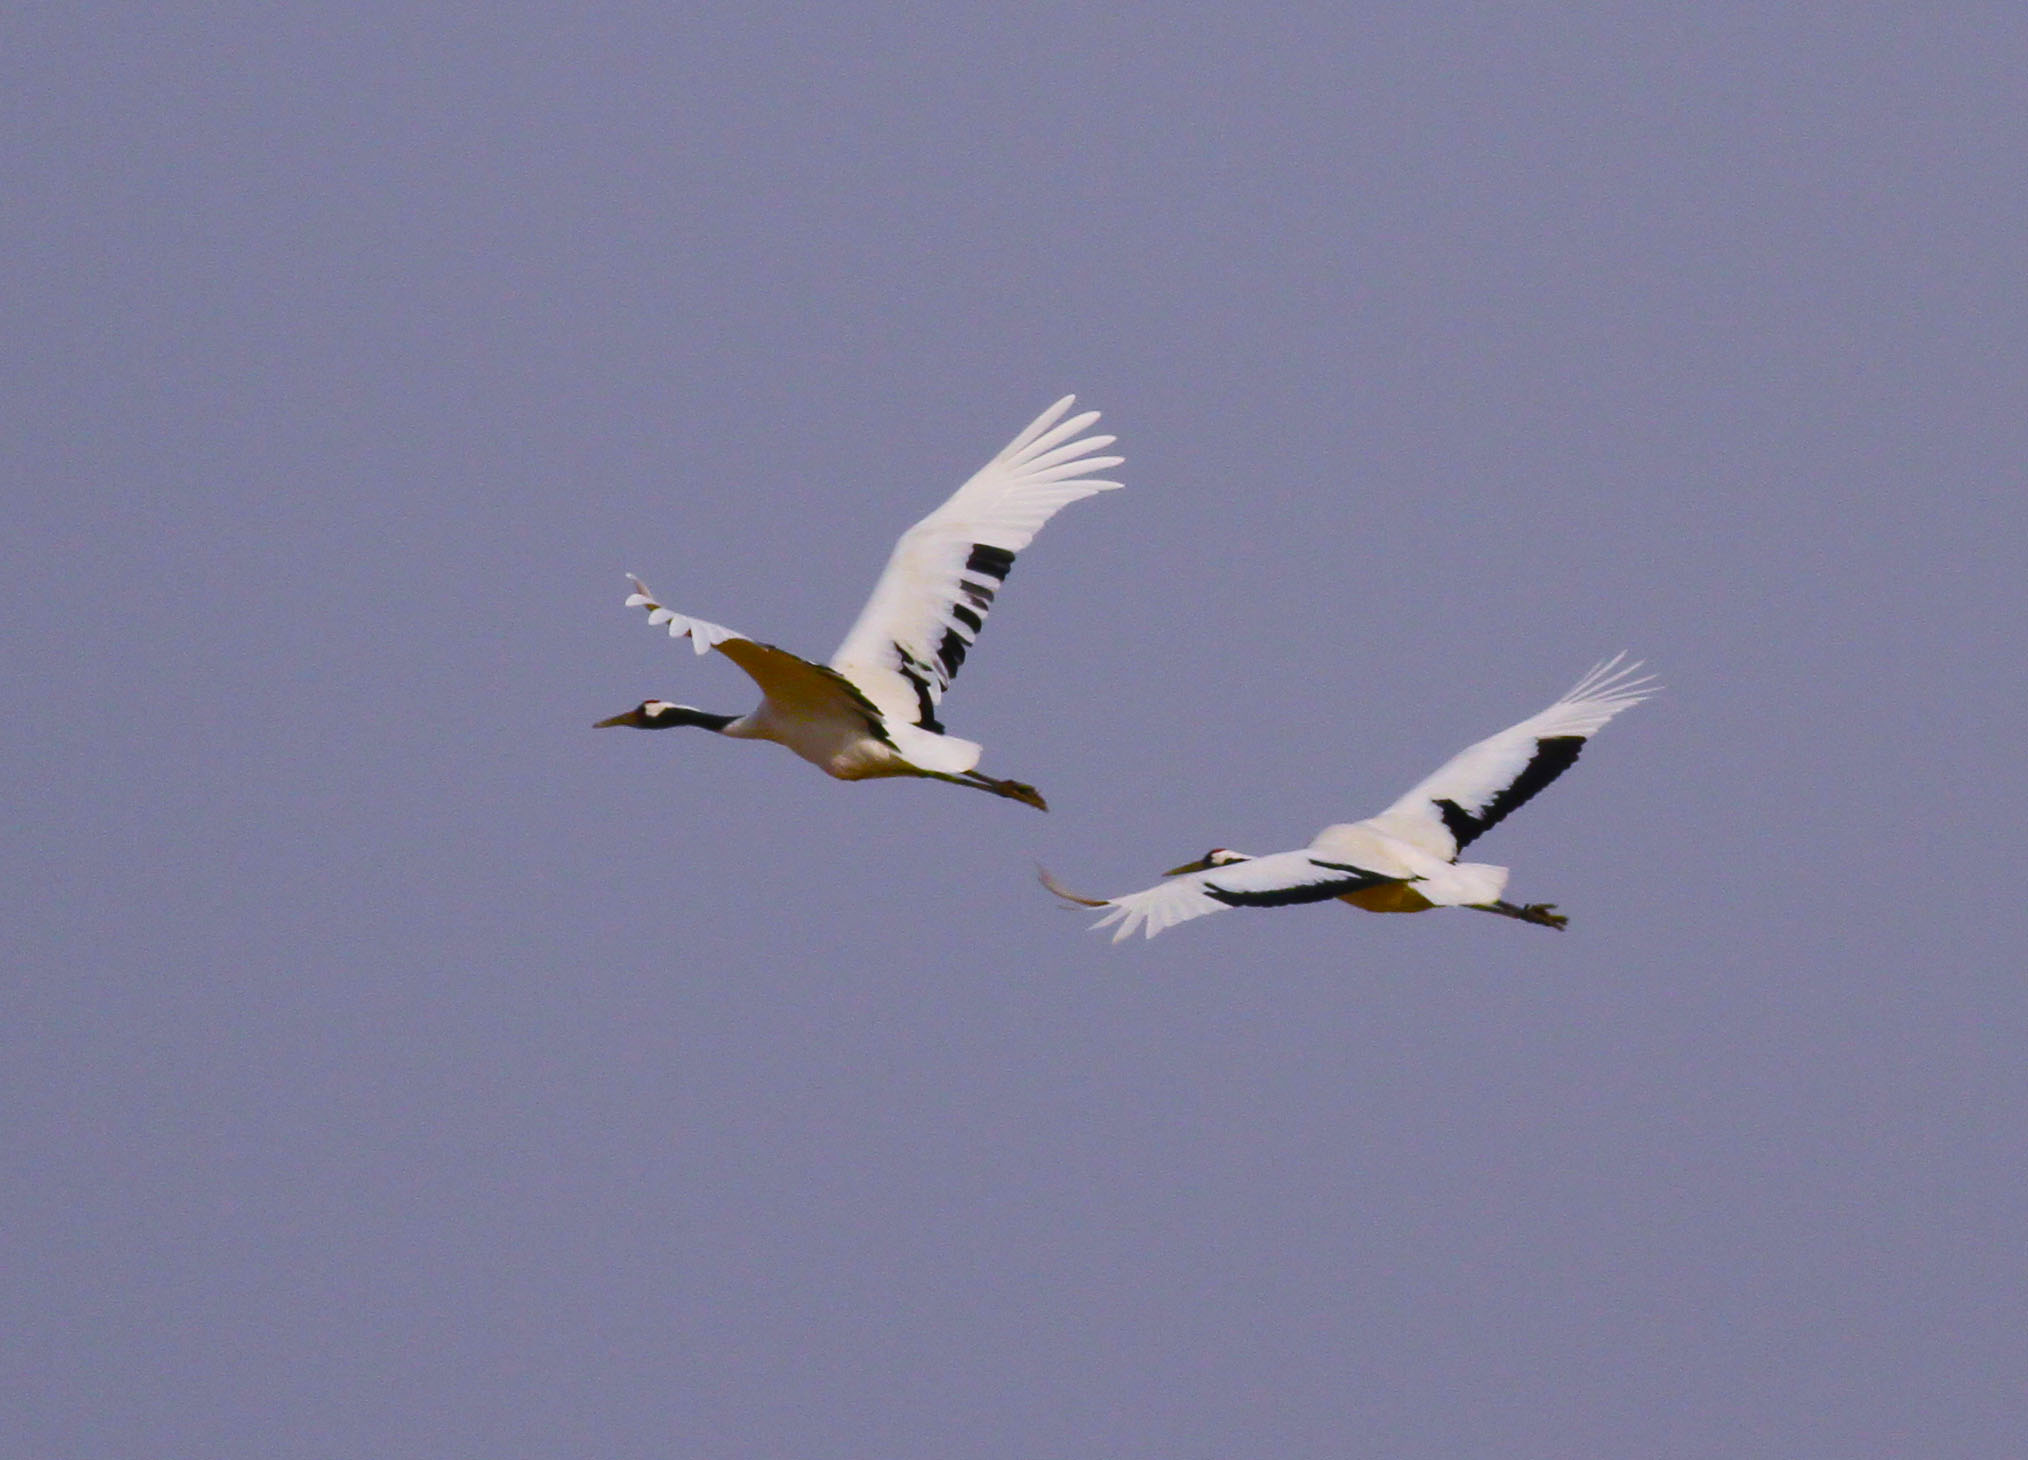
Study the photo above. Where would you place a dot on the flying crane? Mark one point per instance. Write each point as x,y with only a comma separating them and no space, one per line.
872,711
1406,858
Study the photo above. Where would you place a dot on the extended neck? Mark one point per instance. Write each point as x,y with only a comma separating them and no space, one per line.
662,715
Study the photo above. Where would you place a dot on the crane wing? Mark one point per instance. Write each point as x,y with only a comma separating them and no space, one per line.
791,681
1279,880
1479,786
911,637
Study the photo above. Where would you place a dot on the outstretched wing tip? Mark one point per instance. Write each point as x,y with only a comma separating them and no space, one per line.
1616,678
704,635
930,603
1126,920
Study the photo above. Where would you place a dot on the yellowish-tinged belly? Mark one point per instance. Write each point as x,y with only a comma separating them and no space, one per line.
1389,897
865,760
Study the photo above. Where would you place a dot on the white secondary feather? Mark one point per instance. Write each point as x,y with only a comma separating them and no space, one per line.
1486,781
925,612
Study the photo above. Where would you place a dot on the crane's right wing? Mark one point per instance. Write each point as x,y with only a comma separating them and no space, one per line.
930,603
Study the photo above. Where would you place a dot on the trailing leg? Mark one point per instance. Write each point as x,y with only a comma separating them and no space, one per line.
1013,790
1542,914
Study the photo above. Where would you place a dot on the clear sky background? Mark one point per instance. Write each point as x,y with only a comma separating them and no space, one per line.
396,1067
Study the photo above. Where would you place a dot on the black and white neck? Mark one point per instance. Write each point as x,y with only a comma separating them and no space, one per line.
662,715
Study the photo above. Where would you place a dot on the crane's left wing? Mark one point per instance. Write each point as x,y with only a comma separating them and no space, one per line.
908,642
795,685
1479,786
1279,880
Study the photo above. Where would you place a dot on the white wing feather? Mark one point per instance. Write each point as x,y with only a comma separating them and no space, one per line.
1477,787
905,648
1277,879
703,636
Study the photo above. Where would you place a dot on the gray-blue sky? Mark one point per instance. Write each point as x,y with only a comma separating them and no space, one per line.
396,1067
